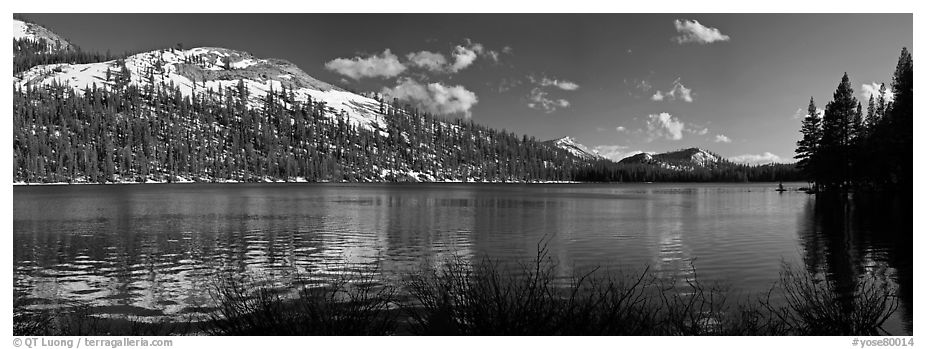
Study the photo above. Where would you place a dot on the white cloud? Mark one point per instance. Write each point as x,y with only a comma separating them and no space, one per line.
435,98
658,96
664,125
692,31
682,92
678,91
757,159
432,61
561,84
719,138
616,152
698,132
465,55
380,65
462,56
873,89
621,129
538,99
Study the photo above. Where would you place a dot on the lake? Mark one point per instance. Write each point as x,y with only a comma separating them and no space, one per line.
152,250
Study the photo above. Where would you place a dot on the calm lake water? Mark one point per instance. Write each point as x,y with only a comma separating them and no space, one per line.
152,250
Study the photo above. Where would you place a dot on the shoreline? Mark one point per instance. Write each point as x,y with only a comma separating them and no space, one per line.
31,184
638,303
28,184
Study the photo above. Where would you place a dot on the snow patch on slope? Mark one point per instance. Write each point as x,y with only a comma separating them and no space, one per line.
210,70
35,32
570,145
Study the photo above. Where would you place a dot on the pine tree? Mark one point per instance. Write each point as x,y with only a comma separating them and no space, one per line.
882,104
836,136
856,124
808,147
900,122
870,117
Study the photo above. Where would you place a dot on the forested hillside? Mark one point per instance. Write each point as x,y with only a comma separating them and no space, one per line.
158,135
218,115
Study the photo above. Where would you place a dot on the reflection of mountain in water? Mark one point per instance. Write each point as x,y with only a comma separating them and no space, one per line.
155,249
844,239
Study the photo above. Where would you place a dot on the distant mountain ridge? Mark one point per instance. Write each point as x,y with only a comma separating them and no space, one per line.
684,159
570,145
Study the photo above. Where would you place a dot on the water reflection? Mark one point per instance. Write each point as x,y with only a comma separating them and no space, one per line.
844,238
154,249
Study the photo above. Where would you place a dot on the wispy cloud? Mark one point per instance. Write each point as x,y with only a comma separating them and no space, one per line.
798,114
620,129
638,88
435,98
540,100
700,131
664,125
678,91
719,138
561,84
757,159
384,65
539,96
506,84
693,32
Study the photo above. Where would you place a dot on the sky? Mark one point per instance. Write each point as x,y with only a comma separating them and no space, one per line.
735,84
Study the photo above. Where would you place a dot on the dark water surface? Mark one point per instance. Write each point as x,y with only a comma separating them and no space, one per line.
152,250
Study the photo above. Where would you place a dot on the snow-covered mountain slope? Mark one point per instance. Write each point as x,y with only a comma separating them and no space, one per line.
570,145
35,32
640,158
684,159
207,70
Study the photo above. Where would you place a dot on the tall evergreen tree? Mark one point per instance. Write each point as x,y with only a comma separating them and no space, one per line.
834,147
900,121
809,145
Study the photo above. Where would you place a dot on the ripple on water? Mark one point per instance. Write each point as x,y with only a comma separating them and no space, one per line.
163,253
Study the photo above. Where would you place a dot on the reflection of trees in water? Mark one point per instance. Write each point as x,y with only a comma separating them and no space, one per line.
847,238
